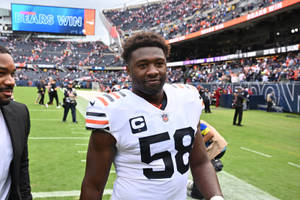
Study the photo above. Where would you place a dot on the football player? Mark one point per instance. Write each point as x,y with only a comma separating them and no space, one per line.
151,133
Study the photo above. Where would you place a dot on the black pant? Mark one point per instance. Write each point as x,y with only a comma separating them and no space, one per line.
269,108
238,113
51,96
41,102
207,106
67,107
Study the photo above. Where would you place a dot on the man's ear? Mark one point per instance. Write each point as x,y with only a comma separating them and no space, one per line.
128,69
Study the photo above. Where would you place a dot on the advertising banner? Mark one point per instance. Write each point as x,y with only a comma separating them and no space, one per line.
35,18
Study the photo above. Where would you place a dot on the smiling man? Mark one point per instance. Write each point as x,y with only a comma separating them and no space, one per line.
14,130
150,133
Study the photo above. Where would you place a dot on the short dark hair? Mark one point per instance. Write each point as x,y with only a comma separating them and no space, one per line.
144,39
4,50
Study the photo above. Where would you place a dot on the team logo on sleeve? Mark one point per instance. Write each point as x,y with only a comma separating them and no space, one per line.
92,103
138,124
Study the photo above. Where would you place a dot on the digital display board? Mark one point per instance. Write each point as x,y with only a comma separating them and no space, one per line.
48,19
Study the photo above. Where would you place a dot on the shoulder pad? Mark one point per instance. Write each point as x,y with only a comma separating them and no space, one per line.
109,98
183,86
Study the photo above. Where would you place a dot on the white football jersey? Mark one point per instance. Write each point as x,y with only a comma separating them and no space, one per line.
153,145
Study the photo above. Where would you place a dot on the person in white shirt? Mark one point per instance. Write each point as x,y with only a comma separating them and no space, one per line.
151,133
14,130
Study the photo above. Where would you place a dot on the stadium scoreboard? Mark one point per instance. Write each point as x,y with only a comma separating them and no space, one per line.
50,19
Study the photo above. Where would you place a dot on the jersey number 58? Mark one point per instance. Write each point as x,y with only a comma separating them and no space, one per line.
146,156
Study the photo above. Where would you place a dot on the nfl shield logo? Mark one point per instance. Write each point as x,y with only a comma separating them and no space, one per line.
165,117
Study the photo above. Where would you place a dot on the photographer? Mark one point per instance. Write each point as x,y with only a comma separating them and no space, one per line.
270,101
41,91
215,147
69,102
52,91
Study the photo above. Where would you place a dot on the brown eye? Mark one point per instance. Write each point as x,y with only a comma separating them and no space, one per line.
160,64
143,65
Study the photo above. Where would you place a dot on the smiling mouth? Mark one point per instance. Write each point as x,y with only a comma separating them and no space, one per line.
153,81
6,92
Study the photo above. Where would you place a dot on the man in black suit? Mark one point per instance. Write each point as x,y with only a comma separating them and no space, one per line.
14,130
41,90
238,105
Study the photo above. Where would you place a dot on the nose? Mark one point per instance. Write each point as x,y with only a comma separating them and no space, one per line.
152,70
10,80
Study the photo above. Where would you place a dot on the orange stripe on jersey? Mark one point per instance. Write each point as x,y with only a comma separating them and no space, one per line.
181,86
103,100
91,121
115,95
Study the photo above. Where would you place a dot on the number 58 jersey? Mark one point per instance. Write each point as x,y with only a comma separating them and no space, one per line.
153,145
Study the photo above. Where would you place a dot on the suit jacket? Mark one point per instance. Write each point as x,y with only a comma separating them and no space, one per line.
17,119
239,100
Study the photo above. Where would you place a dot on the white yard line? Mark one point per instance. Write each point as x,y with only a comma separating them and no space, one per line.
73,193
256,152
56,119
59,138
81,151
293,164
44,110
82,133
81,144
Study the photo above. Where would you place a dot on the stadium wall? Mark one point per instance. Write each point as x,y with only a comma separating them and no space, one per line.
287,95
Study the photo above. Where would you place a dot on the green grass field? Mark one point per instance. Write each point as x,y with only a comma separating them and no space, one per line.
58,164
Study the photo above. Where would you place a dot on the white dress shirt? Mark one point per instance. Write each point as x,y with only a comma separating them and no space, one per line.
6,156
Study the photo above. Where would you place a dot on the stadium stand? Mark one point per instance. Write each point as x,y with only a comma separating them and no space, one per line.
175,18
269,69
60,53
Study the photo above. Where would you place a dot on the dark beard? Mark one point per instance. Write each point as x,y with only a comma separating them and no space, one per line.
3,89
4,103
6,88
150,91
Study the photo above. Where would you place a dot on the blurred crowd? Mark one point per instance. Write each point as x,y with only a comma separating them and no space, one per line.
268,69
174,18
282,68
81,78
60,53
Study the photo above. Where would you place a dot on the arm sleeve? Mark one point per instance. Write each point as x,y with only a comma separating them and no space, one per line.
97,116
25,188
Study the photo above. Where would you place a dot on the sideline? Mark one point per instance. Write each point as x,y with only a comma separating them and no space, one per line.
233,189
